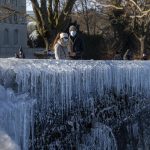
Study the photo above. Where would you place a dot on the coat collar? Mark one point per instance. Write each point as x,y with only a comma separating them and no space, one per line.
62,43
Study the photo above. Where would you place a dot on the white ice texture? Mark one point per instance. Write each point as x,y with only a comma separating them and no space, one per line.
59,85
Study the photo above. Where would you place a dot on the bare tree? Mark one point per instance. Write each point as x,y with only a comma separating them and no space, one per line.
130,20
7,10
52,16
88,17
85,12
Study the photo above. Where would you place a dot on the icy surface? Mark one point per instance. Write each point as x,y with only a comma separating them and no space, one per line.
62,86
62,80
15,120
6,143
101,137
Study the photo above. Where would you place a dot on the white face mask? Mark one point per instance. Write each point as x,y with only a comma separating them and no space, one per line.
73,33
65,40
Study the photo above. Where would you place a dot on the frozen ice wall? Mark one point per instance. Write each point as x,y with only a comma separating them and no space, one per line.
61,86
62,81
15,119
6,142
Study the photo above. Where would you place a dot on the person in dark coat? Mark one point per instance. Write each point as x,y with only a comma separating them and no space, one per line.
76,44
21,53
145,56
16,55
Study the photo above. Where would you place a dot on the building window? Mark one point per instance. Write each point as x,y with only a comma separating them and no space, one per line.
15,18
16,36
10,19
6,37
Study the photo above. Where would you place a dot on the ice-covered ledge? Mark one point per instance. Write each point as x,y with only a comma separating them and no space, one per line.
15,119
6,143
58,86
61,82
95,76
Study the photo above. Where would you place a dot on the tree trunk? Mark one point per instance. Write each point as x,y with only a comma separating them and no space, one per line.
142,45
142,39
50,17
87,27
47,44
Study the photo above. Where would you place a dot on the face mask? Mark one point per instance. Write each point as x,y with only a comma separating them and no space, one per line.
65,39
73,33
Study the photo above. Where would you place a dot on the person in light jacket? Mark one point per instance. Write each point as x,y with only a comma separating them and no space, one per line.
61,46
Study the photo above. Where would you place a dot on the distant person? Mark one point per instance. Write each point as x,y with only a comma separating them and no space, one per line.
76,44
21,53
144,57
61,46
16,55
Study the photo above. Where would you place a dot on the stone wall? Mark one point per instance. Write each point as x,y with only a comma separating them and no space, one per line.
13,35
6,52
13,29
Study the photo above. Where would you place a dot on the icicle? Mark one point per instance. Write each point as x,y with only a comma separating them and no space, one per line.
15,116
101,137
62,86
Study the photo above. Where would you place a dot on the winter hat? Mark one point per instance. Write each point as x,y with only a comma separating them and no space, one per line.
63,35
72,28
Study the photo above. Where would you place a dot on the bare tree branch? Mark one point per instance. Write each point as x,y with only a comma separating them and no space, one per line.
135,4
7,11
109,6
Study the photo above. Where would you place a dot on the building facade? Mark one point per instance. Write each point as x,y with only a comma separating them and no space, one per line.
13,29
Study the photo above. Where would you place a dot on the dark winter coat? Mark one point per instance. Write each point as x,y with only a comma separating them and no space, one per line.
76,45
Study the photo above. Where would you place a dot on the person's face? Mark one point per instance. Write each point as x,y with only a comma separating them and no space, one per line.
73,33
65,40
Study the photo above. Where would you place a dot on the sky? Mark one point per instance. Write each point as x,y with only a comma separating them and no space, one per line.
29,7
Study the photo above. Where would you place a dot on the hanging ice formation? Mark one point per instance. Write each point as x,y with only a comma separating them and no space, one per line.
62,88
15,119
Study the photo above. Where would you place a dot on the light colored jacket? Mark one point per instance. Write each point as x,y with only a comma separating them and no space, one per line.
61,51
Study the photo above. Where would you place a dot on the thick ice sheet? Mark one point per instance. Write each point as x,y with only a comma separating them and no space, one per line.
60,85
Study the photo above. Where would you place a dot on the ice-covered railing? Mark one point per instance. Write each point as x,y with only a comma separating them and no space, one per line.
15,119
